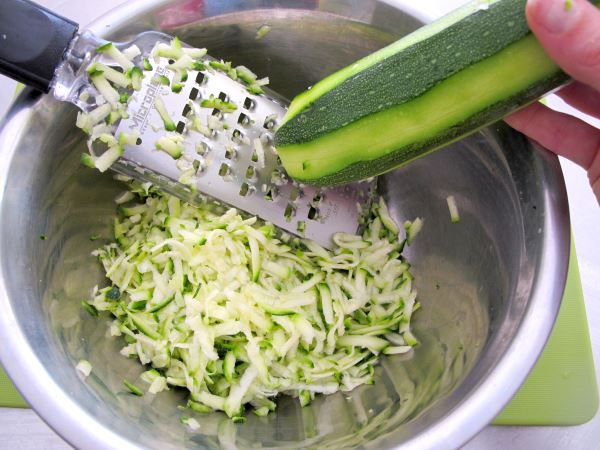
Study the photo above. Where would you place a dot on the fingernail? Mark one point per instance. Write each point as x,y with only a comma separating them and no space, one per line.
556,16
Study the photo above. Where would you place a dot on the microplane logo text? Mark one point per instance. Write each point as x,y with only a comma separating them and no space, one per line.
140,118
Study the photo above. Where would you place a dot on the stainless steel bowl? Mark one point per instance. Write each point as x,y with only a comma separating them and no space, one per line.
490,285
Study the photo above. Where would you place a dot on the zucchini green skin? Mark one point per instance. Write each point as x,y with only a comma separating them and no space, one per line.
431,88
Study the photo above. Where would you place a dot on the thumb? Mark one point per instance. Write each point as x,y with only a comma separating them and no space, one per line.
569,30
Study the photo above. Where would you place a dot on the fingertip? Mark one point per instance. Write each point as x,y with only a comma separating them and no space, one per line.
551,16
569,31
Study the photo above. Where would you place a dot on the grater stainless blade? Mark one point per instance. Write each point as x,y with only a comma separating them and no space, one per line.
227,164
234,163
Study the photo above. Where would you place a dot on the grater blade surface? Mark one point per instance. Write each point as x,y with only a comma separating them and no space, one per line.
227,164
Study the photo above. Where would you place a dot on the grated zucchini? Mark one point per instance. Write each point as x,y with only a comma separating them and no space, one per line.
218,304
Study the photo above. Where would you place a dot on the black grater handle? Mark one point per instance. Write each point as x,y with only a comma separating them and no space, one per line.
33,41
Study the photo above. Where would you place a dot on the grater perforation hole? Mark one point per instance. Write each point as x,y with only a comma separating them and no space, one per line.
202,149
237,135
200,78
301,226
186,110
250,172
224,170
243,119
180,127
313,213
249,104
270,122
289,212
271,194
196,165
244,189
194,94
223,96
138,141
230,153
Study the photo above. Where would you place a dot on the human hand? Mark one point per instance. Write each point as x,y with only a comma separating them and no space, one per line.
569,30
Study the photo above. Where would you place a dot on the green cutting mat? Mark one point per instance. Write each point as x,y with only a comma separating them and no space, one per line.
561,389
8,394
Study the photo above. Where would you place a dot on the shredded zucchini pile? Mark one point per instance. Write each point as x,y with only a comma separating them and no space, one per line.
236,313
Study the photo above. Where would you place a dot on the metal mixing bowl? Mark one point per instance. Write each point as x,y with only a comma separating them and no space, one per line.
490,285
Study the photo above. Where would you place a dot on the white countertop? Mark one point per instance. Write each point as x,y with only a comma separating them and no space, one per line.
23,429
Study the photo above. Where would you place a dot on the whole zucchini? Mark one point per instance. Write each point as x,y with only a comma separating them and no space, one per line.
434,86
